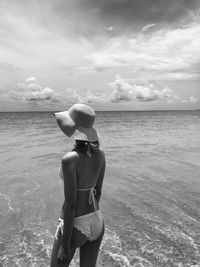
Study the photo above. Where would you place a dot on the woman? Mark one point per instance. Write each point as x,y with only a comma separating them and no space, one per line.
82,170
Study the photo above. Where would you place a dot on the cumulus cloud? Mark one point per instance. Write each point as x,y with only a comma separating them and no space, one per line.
125,91
32,91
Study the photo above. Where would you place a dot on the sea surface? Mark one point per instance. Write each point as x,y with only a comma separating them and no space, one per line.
151,191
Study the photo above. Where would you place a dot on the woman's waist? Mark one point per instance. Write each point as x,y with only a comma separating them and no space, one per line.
82,208
86,200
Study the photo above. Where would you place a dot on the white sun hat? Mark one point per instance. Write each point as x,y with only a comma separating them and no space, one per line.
78,120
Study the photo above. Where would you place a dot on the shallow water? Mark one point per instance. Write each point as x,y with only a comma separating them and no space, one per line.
150,196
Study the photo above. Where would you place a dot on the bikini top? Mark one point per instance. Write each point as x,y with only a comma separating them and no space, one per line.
91,189
91,196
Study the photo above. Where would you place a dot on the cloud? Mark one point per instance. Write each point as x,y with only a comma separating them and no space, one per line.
90,97
125,14
194,14
192,99
110,28
59,40
30,40
32,91
31,80
166,54
69,95
125,91
148,26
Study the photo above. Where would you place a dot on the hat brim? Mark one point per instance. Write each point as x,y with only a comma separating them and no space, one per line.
86,134
65,123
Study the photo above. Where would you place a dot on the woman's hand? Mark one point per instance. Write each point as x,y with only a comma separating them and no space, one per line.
63,256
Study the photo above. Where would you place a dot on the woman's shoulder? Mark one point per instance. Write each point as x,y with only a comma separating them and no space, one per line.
101,154
70,157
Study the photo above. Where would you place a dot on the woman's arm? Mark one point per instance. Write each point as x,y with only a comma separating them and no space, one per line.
98,186
69,173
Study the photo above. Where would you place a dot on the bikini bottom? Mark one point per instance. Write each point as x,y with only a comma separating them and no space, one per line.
90,225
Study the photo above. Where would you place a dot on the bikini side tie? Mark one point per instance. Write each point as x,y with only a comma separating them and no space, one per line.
92,198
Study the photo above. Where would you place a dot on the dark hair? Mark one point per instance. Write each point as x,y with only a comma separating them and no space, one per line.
84,146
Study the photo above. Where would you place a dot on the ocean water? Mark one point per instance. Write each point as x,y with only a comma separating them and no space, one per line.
151,191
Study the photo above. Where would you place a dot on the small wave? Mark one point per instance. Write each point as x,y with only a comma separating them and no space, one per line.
32,190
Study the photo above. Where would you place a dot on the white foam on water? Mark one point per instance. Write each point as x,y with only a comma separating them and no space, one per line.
190,218
31,248
121,260
178,236
8,200
113,254
28,248
111,250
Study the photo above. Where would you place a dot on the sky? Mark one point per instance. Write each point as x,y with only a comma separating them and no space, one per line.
109,54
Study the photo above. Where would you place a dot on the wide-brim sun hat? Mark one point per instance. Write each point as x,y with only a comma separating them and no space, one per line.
90,135
78,120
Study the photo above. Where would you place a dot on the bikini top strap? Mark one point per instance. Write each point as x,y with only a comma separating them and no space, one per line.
92,191
91,196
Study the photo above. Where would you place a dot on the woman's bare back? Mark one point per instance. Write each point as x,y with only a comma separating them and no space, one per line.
88,175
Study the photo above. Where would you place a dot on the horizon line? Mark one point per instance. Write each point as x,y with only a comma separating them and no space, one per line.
114,110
